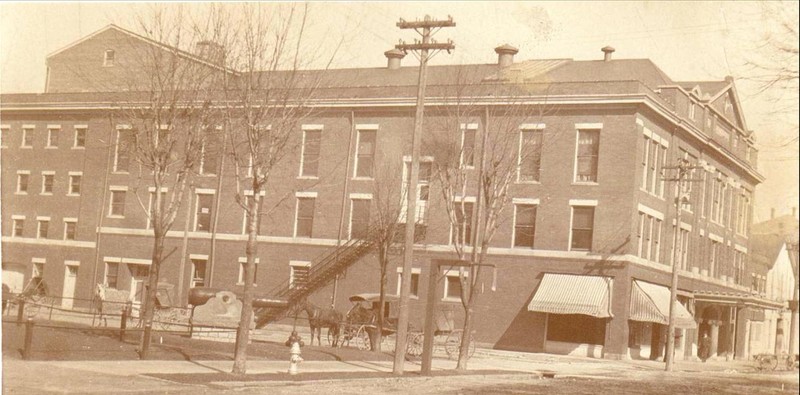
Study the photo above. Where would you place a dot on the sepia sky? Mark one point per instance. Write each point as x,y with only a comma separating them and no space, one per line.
688,40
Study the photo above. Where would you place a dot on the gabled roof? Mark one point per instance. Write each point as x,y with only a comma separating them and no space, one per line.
768,247
709,88
178,51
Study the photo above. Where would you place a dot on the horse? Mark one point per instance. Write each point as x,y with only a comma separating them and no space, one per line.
99,297
319,318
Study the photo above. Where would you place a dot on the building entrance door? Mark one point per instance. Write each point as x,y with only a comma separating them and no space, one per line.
70,278
139,275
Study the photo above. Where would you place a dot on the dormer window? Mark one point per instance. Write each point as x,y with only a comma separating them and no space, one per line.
109,58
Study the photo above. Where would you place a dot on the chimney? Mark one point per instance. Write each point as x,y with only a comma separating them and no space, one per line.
505,55
394,57
607,51
209,51
772,213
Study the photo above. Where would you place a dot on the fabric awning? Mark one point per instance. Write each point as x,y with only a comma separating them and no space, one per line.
650,303
573,294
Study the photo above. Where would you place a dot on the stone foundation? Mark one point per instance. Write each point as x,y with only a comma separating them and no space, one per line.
225,335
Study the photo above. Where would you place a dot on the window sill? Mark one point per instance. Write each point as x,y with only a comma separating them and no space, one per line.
46,194
451,300
362,179
80,148
528,182
26,147
116,216
73,194
50,147
120,172
307,177
20,193
588,183
207,175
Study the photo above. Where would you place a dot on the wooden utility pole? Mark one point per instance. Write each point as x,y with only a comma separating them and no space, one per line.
424,28
683,168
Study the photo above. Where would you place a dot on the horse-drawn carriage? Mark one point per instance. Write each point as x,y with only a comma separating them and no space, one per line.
361,325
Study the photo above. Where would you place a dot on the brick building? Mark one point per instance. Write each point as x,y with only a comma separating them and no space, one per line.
583,252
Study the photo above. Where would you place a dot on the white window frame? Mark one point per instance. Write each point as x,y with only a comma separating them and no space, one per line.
37,267
242,261
579,127
356,196
473,127
27,131
197,193
78,130
68,221
119,130
305,130
14,219
46,173
106,262
298,195
359,129
521,202
39,221
50,130
72,175
528,127
292,265
414,271
580,203
449,273
19,179
112,189
192,259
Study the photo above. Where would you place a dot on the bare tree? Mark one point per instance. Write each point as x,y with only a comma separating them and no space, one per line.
509,150
263,109
161,131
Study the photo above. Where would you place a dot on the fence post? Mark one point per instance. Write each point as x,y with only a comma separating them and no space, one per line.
26,350
145,341
52,302
123,323
20,311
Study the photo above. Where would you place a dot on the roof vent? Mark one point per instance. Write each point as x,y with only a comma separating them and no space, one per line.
394,56
505,55
607,51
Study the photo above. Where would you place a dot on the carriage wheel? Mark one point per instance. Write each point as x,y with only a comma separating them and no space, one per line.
414,344
767,362
362,339
32,307
453,345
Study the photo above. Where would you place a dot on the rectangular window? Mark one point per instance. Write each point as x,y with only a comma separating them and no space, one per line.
646,163
202,218
242,262
109,58
524,225
70,227
22,182
415,273
75,184
48,178
365,156
462,232
211,151
19,226
304,220
198,273
452,286
44,225
298,274
582,228
112,271
37,270
80,138
150,205
359,218
52,138
125,147
27,138
530,155
311,150
423,189
684,257
587,155
468,146
117,206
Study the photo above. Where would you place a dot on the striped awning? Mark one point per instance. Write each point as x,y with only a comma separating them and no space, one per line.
650,303
573,294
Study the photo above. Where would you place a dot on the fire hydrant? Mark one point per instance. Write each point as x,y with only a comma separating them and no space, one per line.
294,342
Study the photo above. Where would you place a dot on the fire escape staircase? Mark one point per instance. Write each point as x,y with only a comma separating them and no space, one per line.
322,271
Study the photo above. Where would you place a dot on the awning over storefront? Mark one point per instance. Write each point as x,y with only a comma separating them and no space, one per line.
650,303
573,294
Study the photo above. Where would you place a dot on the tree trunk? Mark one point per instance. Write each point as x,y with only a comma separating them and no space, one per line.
384,262
243,332
149,303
